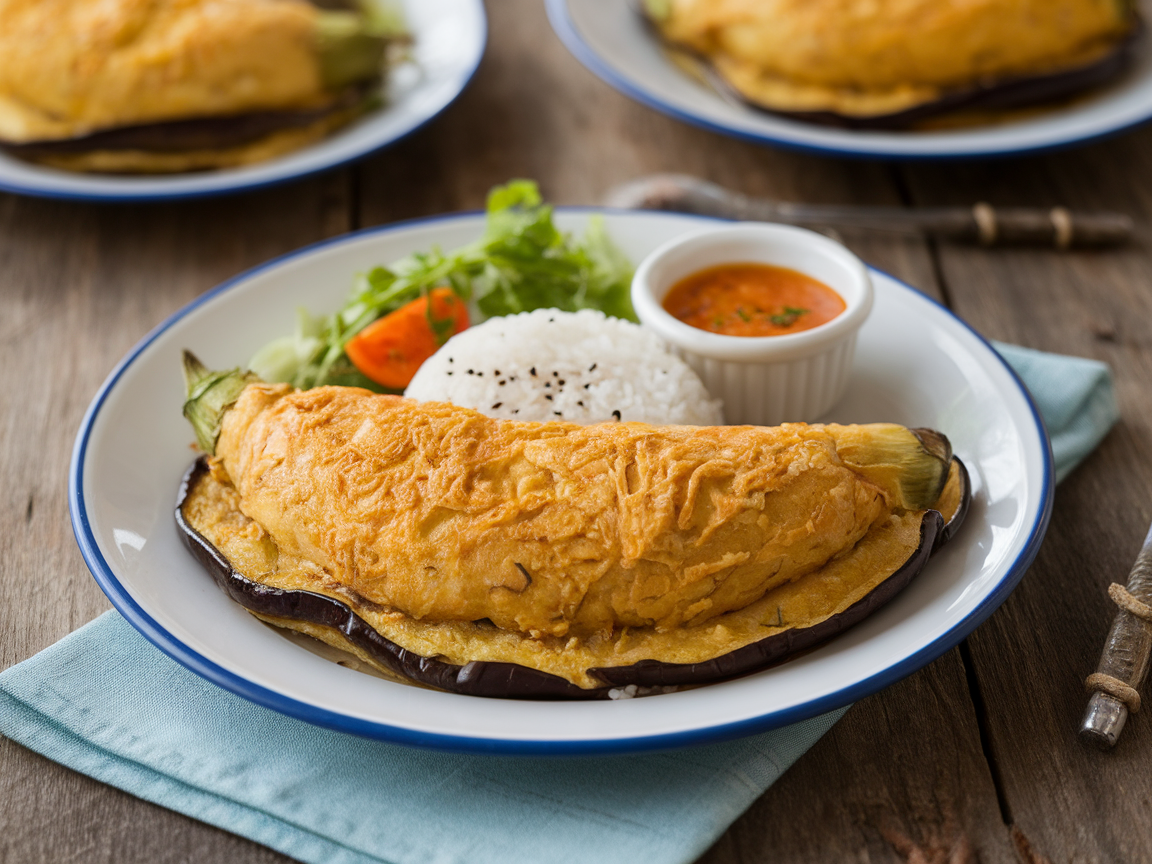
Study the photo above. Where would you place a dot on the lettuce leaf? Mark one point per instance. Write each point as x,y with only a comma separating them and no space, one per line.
520,263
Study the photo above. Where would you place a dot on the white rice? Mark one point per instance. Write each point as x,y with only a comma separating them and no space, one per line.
583,367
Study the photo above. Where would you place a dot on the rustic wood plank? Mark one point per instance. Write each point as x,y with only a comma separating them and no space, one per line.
61,816
1071,803
80,284
900,773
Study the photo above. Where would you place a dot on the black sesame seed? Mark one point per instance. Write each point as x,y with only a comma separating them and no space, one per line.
592,368
450,360
449,373
581,404
558,413
471,371
555,374
586,386
497,372
532,371
616,414
547,383
496,405
515,410
561,382
511,377
501,383
548,396
551,320
479,374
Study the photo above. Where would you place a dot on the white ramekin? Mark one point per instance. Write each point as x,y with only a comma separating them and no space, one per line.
763,380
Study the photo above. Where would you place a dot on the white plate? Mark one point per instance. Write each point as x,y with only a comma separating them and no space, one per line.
917,364
609,38
449,38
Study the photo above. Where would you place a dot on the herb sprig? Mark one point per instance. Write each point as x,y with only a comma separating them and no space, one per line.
788,317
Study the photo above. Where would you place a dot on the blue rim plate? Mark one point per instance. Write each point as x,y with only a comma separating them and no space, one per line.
448,42
609,38
917,364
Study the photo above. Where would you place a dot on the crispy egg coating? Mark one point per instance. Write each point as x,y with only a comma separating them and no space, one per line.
550,529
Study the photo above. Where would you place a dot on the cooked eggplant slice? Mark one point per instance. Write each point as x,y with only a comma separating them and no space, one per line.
552,560
201,133
1001,96
181,86
207,505
796,618
890,66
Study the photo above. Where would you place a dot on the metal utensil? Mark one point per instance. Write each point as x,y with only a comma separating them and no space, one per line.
1124,662
981,223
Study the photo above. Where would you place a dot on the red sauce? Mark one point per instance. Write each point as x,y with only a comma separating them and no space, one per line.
753,300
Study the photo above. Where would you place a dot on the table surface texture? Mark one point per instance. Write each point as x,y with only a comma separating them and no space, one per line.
974,758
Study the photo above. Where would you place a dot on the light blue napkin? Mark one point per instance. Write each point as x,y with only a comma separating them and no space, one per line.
105,702
1075,397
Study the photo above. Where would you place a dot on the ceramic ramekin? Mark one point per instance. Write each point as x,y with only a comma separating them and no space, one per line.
763,380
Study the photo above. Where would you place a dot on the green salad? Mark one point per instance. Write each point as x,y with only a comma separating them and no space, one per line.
520,263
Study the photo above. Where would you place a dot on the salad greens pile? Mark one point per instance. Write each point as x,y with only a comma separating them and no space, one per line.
522,262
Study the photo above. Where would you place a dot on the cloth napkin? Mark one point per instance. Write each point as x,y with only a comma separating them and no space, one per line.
1075,397
105,702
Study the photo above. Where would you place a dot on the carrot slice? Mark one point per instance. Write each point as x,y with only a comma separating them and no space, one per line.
389,351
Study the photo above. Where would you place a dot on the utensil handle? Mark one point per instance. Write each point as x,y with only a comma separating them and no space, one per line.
1125,660
990,226
983,223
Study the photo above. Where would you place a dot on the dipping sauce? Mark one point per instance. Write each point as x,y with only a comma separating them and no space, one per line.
753,300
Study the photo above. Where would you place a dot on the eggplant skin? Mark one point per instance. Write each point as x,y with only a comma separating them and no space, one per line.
200,144
513,681
839,74
200,133
999,96
652,673
473,679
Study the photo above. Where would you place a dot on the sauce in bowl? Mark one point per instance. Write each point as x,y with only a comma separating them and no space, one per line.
752,300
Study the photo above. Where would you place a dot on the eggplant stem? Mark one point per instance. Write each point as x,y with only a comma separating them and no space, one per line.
208,396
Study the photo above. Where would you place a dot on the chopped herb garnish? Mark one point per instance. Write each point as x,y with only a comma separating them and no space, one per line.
788,317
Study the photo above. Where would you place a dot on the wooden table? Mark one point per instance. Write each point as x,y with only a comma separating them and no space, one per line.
973,758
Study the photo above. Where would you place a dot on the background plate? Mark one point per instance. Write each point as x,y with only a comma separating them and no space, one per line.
449,37
917,364
609,38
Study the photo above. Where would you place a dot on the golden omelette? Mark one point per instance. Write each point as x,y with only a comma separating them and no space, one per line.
881,57
553,546
276,74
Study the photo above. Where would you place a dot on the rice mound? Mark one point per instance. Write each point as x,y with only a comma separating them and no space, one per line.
583,367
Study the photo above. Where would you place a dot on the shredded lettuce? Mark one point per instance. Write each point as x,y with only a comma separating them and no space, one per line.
521,262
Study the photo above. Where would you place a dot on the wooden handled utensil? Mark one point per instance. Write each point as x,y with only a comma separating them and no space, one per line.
982,223
1123,665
